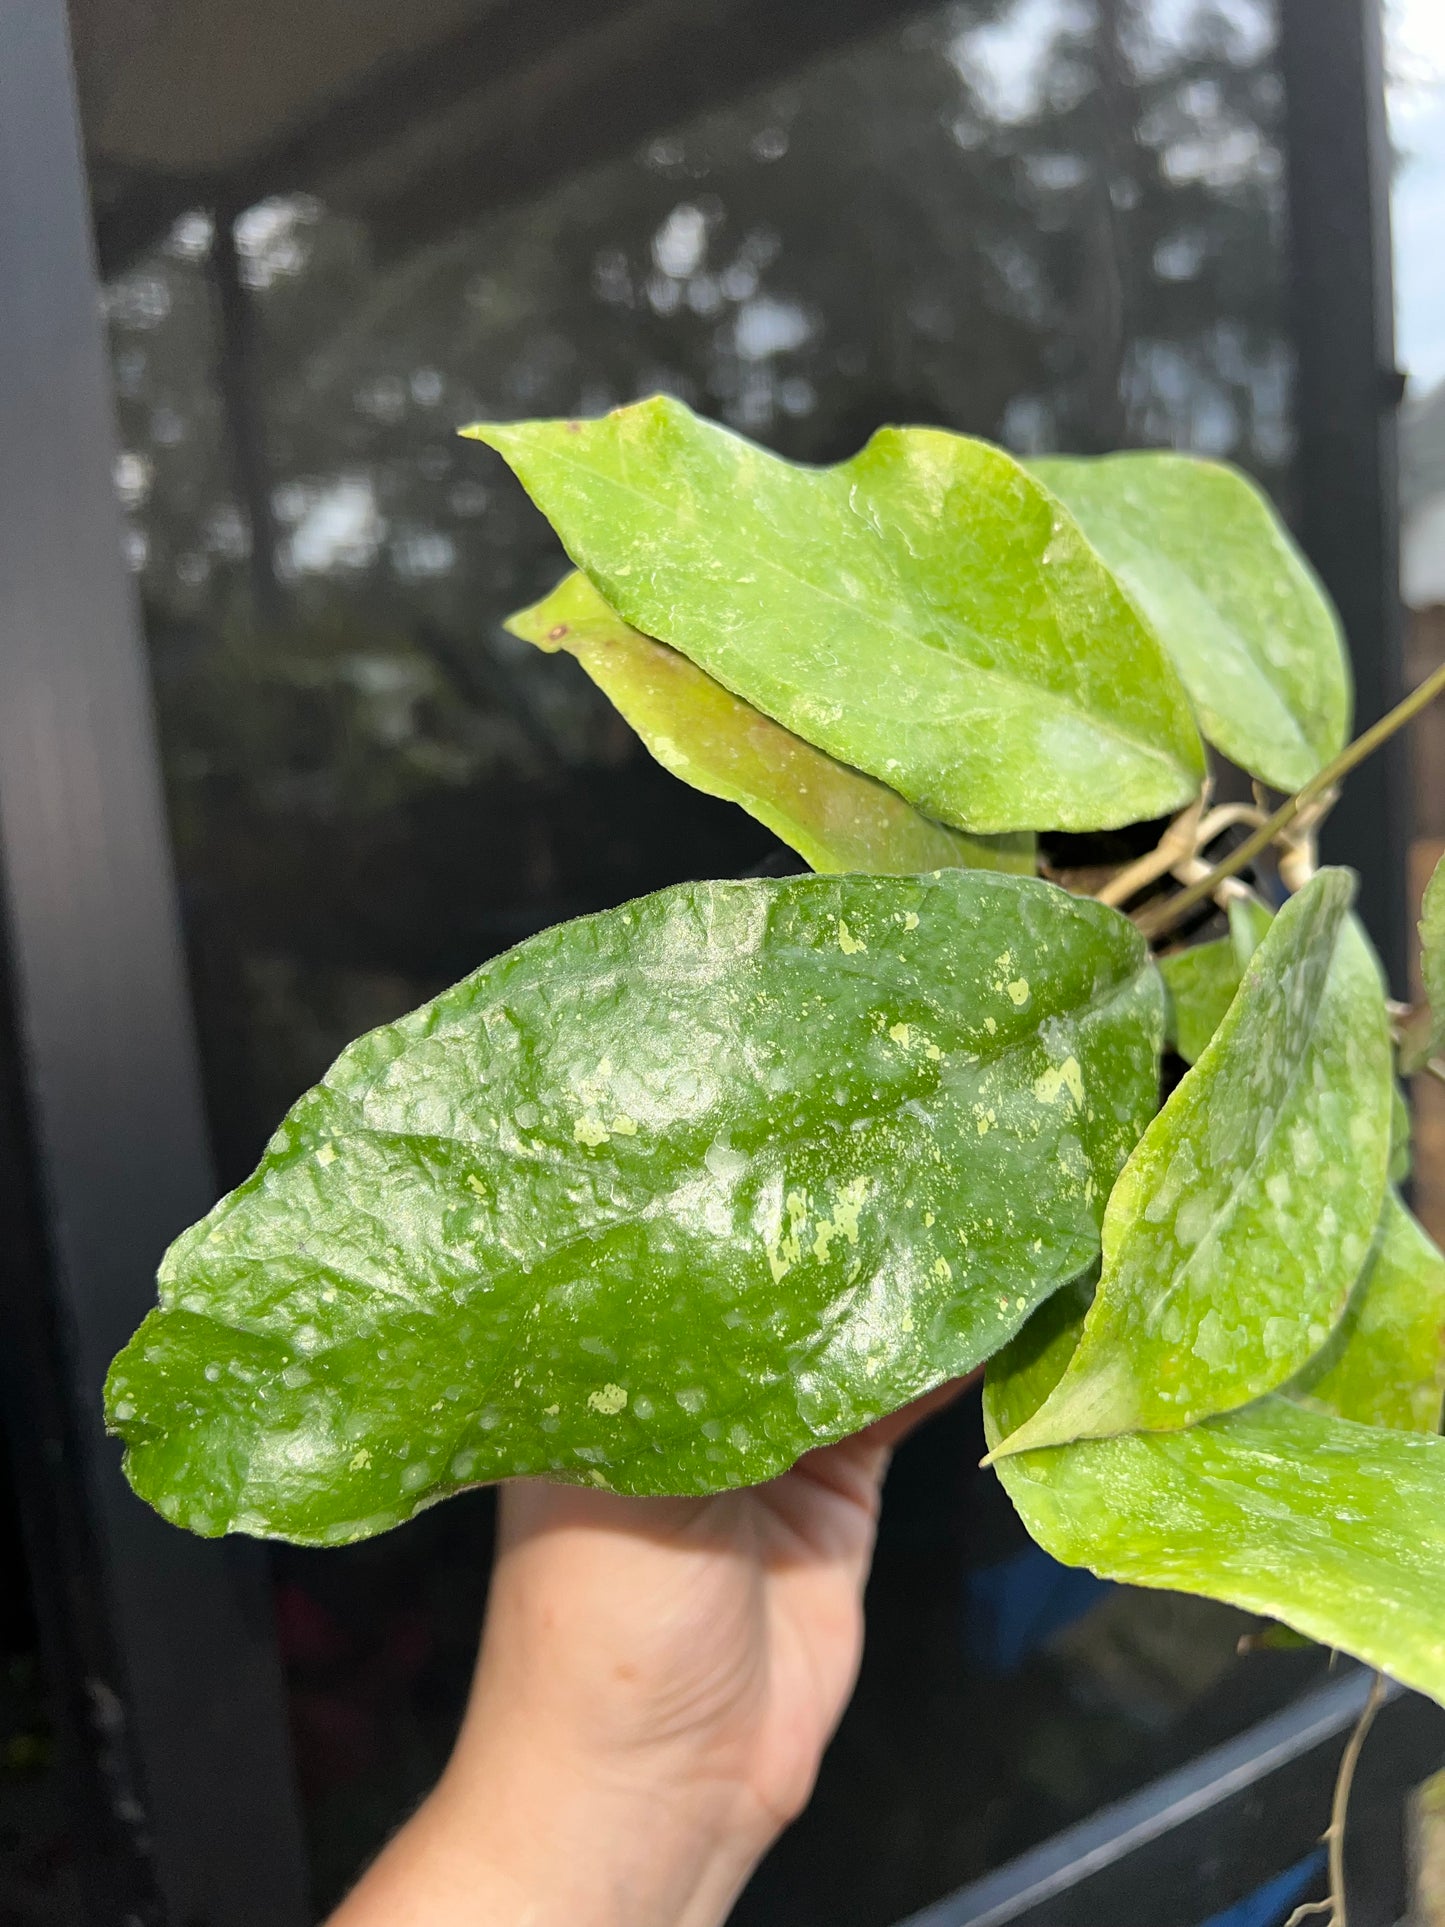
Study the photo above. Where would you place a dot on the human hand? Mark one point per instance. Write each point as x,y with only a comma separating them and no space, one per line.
657,1683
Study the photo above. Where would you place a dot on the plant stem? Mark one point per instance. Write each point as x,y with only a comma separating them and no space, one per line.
1340,1805
1163,917
1179,841
1187,835
1334,1906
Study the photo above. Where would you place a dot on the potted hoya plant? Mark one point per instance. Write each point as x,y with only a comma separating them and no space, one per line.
666,1196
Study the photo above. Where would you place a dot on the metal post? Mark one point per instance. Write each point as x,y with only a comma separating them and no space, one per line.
1347,392
100,1012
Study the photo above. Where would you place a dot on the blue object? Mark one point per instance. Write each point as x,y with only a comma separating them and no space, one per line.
1268,1905
1013,1607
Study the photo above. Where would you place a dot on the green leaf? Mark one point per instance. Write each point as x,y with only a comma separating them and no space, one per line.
1201,982
1249,925
1336,1528
658,1200
926,612
1274,1638
1209,563
1384,1363
1242,1219
1432,955
836,818
1401,1158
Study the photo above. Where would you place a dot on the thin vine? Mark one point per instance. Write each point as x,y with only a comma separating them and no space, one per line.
1158,919
1335,1904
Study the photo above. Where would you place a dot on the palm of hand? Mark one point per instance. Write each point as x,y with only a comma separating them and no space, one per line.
715,1639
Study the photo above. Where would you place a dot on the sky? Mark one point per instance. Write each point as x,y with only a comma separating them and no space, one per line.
1417,111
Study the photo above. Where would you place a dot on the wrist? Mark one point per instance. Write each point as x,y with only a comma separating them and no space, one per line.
519,1835
557,1835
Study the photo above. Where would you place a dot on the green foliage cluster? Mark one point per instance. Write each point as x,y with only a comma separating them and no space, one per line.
1072,218
666,1196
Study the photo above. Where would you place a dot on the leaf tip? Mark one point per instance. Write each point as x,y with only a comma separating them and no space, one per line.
1031,1436
502,436
1098,1401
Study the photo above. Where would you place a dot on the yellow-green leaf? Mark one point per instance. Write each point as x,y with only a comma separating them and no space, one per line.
836,818
927,612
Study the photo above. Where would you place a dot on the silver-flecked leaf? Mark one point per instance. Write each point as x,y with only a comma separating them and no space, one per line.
836,818
1208,560
927,611
657,1201
1243,1217
1333,1527
1384,1363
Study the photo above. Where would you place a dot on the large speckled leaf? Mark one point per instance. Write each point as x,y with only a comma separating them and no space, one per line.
657,1200
1336,1528
926,612
1202,980
1245,1214
836,818
1206,558
1384,1363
